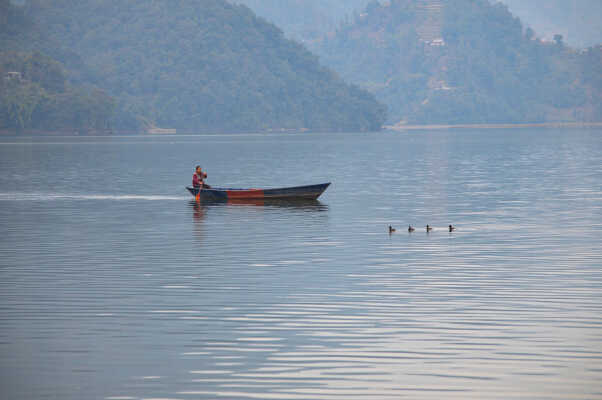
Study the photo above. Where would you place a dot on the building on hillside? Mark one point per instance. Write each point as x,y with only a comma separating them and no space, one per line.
13,76
153,130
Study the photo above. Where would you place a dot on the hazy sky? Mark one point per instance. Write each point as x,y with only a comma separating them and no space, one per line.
579,21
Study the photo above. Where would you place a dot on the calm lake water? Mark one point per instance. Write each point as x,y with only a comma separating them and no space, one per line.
115,286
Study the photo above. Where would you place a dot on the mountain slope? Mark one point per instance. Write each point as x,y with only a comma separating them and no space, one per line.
462,61
38,92
204,66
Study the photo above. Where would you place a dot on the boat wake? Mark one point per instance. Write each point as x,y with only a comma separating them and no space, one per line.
16,196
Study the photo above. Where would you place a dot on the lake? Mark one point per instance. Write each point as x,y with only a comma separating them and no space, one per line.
116,286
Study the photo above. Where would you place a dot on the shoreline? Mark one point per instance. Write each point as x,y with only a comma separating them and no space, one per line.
393,128
399,128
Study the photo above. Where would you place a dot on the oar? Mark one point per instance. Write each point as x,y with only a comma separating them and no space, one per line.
198,194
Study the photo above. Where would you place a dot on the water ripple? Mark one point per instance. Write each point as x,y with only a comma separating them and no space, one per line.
130,291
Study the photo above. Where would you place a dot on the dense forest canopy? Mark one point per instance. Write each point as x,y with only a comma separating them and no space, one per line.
34,90
193,65
34,94
464,61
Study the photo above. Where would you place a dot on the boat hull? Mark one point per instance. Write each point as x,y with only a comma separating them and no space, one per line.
290,193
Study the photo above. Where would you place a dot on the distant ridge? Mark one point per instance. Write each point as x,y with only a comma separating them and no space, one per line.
454,62
579,21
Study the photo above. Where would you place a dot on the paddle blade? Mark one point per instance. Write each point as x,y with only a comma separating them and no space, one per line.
198,197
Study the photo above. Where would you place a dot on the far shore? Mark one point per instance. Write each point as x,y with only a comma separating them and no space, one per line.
402,127
396,128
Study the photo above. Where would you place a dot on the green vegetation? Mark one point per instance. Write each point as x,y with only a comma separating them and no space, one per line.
34,92
197,66
464,61
35,95
212,65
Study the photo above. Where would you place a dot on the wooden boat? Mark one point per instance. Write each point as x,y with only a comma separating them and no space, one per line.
289,193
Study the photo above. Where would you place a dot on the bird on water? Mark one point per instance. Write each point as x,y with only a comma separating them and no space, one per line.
391,229
410,228
452,228
428,229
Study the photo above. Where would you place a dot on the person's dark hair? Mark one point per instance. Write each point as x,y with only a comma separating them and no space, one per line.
197,167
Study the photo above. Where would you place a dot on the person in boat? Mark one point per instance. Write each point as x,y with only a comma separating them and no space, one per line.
198,179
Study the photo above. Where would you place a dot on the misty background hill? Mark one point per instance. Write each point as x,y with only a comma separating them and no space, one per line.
463,61
192,65
305,20
448,61
579,21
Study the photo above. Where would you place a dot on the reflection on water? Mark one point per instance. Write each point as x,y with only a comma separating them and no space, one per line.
201,208
198,215
127,292
299,204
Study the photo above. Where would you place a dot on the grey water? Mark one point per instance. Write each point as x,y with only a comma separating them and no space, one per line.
114,285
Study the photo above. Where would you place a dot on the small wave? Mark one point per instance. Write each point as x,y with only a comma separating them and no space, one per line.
61,196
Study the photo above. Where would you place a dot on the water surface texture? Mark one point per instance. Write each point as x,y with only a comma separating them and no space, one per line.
115,286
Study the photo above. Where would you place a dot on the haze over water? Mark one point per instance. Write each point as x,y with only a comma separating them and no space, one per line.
114,285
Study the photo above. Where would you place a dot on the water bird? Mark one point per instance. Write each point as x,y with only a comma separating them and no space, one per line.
391,229
452,228
428,229
410,229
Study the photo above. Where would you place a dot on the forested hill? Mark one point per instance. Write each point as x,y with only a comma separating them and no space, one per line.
35,91
202,65
464,61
